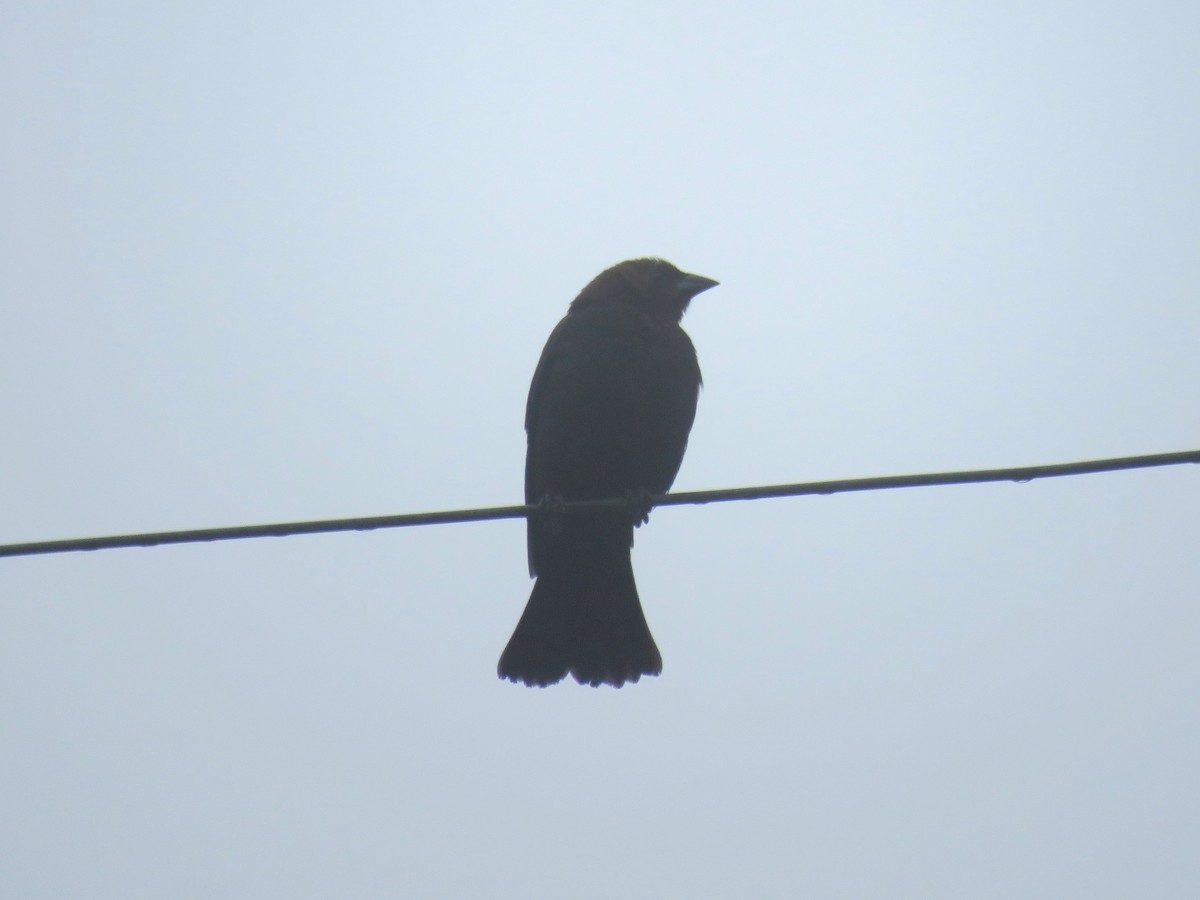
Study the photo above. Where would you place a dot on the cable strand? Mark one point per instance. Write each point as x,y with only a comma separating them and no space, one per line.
1020,474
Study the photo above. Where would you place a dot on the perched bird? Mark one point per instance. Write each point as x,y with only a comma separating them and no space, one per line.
610,407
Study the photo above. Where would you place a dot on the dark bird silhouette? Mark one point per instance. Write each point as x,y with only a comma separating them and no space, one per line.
609,411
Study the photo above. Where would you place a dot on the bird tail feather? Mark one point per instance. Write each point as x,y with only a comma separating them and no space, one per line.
585,621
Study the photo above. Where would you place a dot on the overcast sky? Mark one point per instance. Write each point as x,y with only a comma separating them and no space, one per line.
293,261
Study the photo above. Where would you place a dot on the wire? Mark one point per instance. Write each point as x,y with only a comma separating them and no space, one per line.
1019,474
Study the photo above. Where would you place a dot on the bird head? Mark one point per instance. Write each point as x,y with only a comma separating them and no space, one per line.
654,285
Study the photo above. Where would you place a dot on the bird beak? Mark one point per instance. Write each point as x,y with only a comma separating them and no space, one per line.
691,285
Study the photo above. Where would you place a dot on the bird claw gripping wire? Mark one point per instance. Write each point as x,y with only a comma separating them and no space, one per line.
552,509
640,502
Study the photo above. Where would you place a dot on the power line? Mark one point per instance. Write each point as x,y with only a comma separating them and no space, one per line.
1019,474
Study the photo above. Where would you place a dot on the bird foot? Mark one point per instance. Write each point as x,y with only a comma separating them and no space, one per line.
552,509
640,503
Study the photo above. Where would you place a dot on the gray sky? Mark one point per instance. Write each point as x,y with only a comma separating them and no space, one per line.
288,261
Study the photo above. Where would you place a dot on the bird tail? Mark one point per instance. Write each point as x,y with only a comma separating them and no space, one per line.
585,621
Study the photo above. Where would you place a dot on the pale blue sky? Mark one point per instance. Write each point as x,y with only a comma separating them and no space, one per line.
291,261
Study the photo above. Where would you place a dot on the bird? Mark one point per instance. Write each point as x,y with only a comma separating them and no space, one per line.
610,408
